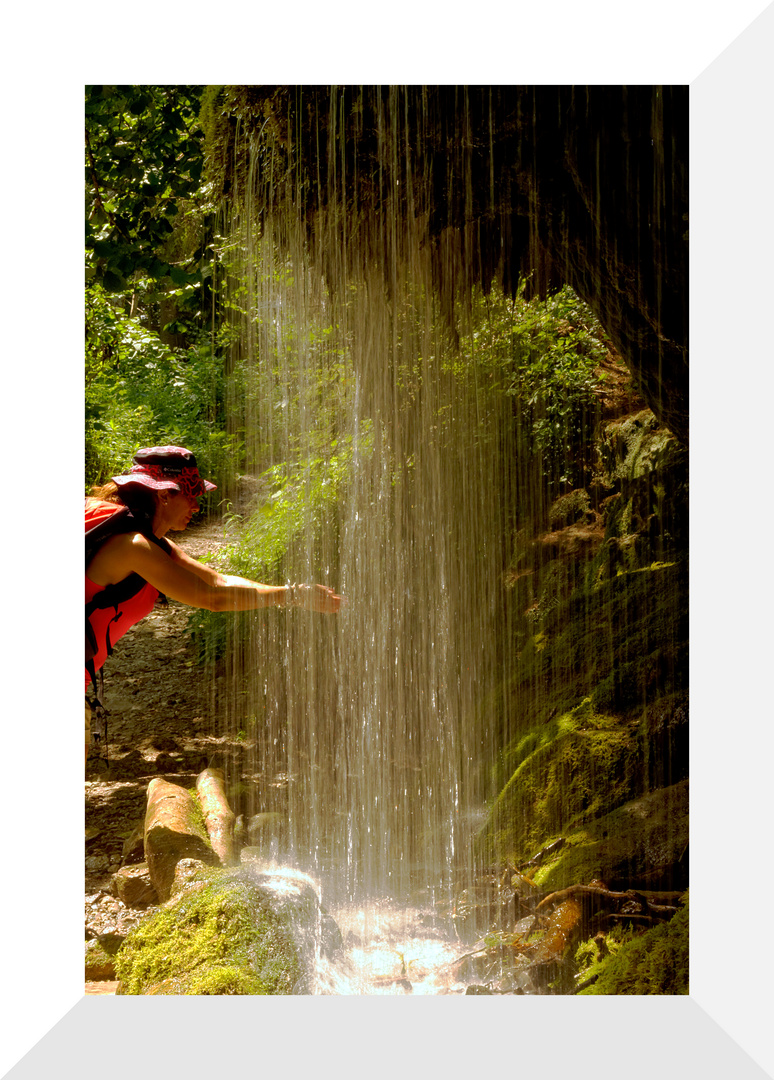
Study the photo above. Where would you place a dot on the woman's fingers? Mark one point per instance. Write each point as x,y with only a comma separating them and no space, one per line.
319,598
327,600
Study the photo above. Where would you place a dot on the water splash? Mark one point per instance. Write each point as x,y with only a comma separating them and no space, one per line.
390,950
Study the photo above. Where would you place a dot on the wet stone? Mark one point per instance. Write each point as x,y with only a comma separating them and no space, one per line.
186,873
97,864
133,847
98,963
133,886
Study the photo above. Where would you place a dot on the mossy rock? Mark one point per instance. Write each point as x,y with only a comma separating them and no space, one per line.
653,962
621,641
646,520
640,844
221,935
570,508
578,767
634,446
600,701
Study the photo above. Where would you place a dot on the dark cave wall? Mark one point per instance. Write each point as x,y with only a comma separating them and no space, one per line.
580,185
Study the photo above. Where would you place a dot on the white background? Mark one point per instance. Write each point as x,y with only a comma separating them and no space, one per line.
723,51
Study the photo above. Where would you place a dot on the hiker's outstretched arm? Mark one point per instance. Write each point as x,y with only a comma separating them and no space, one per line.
312,597
202,570
133,553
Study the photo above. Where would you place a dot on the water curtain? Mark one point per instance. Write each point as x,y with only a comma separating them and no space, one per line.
366,401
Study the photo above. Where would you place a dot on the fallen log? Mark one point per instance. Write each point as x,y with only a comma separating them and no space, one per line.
173,831
219,818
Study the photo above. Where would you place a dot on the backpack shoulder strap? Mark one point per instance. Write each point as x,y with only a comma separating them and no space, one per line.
103,521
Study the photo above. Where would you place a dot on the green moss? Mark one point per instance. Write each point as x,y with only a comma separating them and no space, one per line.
218,937
599,696
580,767
569,508
641,842
654,962
196,820
589,962
221,980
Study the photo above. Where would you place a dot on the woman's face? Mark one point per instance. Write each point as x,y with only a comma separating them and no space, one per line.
180,509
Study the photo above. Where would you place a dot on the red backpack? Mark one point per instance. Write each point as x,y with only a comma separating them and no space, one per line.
103,520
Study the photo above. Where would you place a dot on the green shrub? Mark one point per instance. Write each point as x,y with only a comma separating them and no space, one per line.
654,962
141,392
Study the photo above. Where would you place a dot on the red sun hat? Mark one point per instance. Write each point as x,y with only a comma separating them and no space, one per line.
166,468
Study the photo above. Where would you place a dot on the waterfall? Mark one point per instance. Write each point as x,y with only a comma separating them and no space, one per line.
513,587
372,728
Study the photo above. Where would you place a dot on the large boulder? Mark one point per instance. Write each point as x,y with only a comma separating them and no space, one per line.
133,886
226,932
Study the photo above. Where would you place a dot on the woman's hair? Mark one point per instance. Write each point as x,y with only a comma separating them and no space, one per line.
141,500
107,492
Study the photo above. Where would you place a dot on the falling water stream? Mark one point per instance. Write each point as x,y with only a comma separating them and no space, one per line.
373,731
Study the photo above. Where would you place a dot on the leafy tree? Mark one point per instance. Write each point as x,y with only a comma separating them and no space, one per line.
154,368
147,218
140,391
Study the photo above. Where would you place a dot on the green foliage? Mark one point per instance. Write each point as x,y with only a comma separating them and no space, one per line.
654,962
299,510
291,535
148,267
144,164
140,391
546,355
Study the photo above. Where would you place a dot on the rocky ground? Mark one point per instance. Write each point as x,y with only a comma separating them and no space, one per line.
162,722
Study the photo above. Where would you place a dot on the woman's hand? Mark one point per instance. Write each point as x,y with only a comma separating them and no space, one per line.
182,578
314,598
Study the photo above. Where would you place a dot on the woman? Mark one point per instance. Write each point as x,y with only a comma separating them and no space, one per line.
129,559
